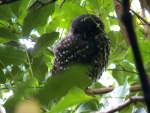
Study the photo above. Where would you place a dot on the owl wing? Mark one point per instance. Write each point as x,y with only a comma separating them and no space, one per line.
70,49
99,61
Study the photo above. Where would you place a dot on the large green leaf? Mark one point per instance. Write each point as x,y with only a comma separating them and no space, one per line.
75,96
86,107
6,34
11,55
120,92
22,11
14,8
53,25
118,49
144,50
37,18
107,8
10,103
5,13
44,41
39,69
58,85
65,16
123,70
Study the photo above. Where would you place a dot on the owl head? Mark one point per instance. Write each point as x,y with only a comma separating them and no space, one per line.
87,24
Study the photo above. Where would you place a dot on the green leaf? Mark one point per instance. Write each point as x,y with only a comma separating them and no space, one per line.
37,18
39,69
58,85
5,13
106,3
2,40
10,103
11,55
141,110
22,11
72,13
107,9
107,23
6,34
145,52
15,8
120,92
74,96
124,90
118,48
65,16
147,67
2,75
44,41
123,70
118,75
92,105
17,72
53,24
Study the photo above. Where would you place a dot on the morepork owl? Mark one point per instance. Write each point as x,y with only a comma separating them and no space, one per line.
85,43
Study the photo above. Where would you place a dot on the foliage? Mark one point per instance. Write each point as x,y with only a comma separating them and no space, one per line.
27,71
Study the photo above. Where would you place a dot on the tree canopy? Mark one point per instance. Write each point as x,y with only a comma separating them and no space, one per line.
28,31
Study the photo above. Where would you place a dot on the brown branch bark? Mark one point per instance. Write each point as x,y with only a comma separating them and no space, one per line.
118,9
127,20
145,4
107,90
145,25
124,104
63,1
7,1
41,3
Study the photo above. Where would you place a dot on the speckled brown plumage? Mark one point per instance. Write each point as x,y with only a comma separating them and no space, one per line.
85,43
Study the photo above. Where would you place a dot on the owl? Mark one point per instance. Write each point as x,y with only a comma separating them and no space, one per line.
85,43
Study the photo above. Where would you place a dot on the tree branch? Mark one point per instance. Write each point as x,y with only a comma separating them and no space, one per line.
127,19
145,4
44,109
118,10
138,16
107,90
7,1
126,103
42,3
145,25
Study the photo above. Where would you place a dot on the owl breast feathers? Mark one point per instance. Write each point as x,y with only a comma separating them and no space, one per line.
85,43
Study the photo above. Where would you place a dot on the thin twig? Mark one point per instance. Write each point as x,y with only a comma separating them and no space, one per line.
41,3
123,70
126,103
7,1
44,109
63,1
